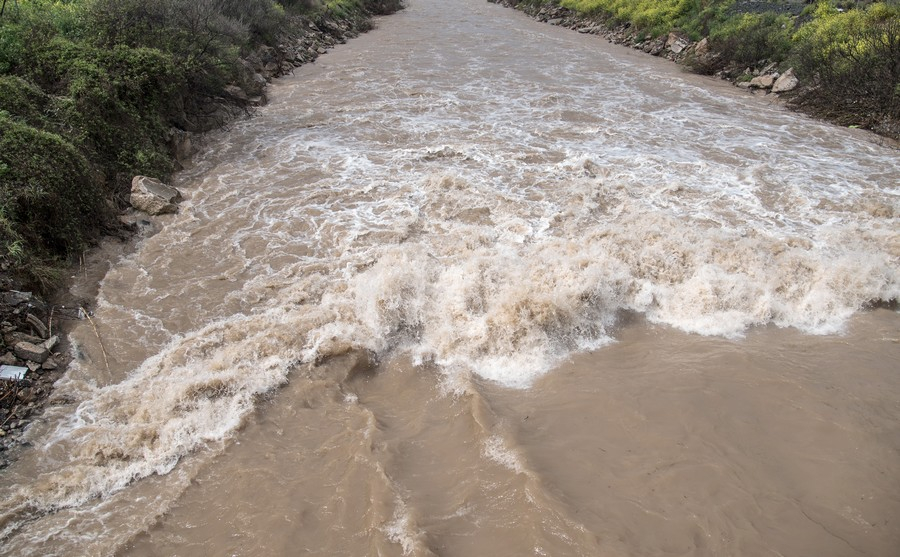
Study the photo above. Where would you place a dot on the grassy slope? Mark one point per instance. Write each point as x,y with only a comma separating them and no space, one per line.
91,91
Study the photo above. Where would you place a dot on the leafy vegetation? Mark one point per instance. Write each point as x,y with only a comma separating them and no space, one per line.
90,91
653,16
852,61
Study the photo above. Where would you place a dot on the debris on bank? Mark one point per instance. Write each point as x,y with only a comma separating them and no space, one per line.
30,361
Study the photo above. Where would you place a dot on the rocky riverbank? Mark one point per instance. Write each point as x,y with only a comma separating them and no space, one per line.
34,353
677,47
820,97
32,358
305,39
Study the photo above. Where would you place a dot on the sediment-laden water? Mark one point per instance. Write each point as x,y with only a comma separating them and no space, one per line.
474,285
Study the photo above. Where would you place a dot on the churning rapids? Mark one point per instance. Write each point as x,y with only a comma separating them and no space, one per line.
474,285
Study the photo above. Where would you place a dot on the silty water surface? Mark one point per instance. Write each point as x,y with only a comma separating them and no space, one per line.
474,285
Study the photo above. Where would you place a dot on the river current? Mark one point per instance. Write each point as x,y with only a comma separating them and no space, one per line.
475,285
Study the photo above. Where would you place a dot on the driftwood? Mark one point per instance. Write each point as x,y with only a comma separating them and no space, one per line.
99,340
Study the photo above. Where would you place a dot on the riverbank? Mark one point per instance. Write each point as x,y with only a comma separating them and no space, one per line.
34,323
766,48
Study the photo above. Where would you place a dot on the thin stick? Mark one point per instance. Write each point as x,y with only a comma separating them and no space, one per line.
99,341
16,407
50,321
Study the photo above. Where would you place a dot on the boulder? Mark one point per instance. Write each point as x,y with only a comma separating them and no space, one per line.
676,43
702,48
236,93
763,82
153,197
31,352
787,82
15,337
182,146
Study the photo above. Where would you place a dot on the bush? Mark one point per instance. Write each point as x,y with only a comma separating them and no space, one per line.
853,60
89,93
746,39
655,17
48,200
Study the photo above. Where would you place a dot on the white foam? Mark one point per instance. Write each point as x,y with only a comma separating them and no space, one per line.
495,449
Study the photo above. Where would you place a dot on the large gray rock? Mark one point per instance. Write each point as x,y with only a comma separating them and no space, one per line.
236,93
15,337
31,352
787,82
153,197
763,82
14,297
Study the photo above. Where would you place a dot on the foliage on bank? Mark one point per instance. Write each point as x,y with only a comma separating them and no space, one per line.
846,52
91,92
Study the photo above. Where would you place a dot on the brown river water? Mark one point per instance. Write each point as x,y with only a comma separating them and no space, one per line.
474,285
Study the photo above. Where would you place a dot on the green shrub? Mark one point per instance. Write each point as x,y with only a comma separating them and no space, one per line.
24,101
656,17
48,201
853,60
747,39
89,91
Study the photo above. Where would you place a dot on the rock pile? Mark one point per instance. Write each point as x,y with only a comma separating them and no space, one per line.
30,362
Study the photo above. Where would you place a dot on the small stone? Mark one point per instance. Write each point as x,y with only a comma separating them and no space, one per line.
31,352
51,343
50,364
9,359
33,366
